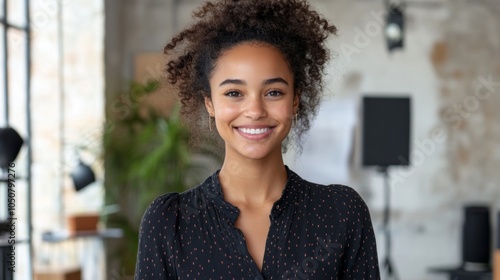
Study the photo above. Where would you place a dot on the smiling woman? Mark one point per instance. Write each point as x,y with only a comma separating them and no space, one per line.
252,100
255,68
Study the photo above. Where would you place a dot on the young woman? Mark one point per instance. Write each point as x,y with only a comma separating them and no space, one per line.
254,68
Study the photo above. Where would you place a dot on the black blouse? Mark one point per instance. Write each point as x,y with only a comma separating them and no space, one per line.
316,232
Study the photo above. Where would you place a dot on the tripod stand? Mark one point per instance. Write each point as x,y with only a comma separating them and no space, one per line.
387,262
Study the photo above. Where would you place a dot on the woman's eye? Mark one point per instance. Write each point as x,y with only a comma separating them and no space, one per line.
274,93
233,94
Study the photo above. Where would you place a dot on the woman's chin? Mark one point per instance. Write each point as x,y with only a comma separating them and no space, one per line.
259,153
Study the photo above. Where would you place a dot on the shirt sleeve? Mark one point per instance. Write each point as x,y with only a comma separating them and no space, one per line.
360,259
155,239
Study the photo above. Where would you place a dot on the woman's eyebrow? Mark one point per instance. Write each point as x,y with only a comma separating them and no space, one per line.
275,80
233,82
242,82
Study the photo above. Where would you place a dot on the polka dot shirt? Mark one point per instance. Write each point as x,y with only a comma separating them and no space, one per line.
316,232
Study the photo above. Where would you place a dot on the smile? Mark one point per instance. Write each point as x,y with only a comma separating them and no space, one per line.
254,131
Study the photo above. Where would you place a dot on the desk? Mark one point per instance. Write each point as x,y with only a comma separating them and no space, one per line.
461,274
63,235
90,254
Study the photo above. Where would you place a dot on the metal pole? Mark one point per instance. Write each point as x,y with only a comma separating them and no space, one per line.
29,139
387,214
387,263
6,64
60,50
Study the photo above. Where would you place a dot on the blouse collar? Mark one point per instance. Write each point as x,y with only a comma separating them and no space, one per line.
214,192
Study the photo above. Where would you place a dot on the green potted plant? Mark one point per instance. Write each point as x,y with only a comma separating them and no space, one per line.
146,155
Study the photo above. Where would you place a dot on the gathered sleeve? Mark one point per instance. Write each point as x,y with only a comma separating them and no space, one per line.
360,259
156,236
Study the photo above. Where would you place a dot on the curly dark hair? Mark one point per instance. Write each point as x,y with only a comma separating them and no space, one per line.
289,25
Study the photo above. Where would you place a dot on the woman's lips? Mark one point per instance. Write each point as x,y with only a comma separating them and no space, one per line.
255,133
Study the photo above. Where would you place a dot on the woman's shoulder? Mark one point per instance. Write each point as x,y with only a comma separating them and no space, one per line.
342,196
170,204
161,207
339,191
166,200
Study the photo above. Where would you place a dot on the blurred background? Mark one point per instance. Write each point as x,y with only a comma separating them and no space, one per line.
89,134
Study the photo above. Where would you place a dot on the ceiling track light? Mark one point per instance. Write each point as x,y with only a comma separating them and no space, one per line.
395,27
395,21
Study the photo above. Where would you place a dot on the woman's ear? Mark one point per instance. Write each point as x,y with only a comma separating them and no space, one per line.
296,102
209,105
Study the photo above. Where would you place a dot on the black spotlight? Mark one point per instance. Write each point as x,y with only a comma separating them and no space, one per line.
82,175
395,28
10,145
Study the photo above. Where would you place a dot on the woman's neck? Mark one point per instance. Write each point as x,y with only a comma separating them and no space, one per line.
253,182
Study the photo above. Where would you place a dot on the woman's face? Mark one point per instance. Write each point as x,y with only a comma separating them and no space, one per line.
252,100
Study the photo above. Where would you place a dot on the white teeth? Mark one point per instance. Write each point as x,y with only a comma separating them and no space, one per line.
254,131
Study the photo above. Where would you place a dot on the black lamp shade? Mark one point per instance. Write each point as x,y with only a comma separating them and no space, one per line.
82,176
10,145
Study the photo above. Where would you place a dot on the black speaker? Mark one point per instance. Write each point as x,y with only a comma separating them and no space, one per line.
498,232
496,254
386,131
476,238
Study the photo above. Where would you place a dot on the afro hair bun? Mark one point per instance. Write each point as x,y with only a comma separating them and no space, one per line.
291,26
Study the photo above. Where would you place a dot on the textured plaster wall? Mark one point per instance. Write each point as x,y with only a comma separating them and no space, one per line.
469,91
449,69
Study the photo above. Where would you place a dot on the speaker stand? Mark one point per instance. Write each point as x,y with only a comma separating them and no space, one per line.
387,264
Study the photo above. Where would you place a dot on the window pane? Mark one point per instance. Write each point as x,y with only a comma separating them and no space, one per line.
2,80
1,8
16,44
16,40
16,11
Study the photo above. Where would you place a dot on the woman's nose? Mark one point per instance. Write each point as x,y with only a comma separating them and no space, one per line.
255,108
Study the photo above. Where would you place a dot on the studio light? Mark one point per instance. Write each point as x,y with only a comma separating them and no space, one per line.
10,145
82,175
394,30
